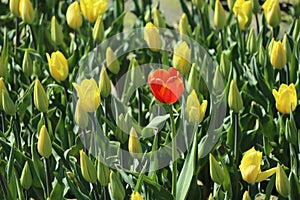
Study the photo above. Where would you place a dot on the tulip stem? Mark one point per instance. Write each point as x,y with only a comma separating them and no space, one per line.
105,192
288,74
17,133
257,24
3,187
32,36
236,129
3,121
95,191
203,25
140,105
17,35
174,148
45,120
85,142
47,170
26,195
66,91
222,39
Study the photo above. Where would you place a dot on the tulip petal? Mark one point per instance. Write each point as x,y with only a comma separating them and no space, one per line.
264,175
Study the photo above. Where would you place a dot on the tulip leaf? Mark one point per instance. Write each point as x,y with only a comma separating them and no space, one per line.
270,187
58,191
75,191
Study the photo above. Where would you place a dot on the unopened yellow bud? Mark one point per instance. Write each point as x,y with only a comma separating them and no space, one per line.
282,182
122,129
102,172
152,37
272,12
246,196
195,110
104,83
44,143
2,90
134,145
219,16
9,106
14,7
136,196
251,44
116,186
136,74
26,177
56,32
193,81
287,47
216,172
184,26
98,30
27,64
261,55
182,58
235,100
88,169
40,97
73,15
81,117
112,61
278,55
198,3
158,20
225,65
26,11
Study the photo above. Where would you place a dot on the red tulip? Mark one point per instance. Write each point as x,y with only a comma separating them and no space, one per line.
166,86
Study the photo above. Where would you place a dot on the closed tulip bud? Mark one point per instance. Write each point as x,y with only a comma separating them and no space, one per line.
230,3
27,64
112,61
3,68
88,169
152,37
251,44
272,12
26,11
255,6
44,143
116,186
225,65
158,20
246,196
14,7
91,9
134,145
261,55
58,66
182,58
73,15
98,30
296,30
102,172
147,16
282,182
81,117
243,10
56,32
286,97
211,197
198,3
216,172
195,110
104,83
235,100
122,129
40,97
219,15
193,81
9,106
26,177
136,74
184,26
218,83
278,55
287,48
136,196
36,68
2,90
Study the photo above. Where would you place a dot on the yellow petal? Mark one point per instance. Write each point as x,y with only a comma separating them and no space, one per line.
266,174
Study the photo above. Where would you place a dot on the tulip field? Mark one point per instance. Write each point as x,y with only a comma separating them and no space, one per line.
149,99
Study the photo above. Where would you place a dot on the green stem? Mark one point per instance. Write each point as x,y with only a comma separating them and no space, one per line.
257,24
105,191
3,187
236,130
222,39
241,40
86,151
26,195
45,121
288,74
140,106
3,121
47,170
174,149
33,38
203,25
17,133
95,191
17,35
66,91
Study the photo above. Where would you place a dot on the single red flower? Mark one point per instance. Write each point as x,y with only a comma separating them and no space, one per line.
166,86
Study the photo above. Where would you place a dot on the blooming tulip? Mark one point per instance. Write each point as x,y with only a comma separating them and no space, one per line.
26,11
89,95
250,167
73,15
40,97
286,97
219,15
166,86
195,110
88,169
44,143
278,55
92,9
152,38
136,196
243,10
182,58
235,100
272,12
58,66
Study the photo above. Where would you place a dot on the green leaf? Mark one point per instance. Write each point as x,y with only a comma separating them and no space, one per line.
58,191
75,191
270,187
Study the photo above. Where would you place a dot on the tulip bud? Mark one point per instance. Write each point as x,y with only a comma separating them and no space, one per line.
216,172
40,97
122,129
251,45
211,197
193,81
9,106
81,117
27,64
26,177
195,110
56,32
102,172
2,90
261,55
3,68
158,19
255,7
198,3
218,83
26,11
225,65
88,169
116,187
136,74
98,30
272,12
182,58
58,66
246,196
44,143
184,26
287,48
136,196
134,145
152,37
230,3
219,16
270,47
147,16
71,176
296,30
282,182
278,55
14,7
113,64
73,15
235,100
104,83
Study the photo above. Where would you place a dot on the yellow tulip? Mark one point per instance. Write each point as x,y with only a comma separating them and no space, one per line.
14,7
92,9
73,15
44,143
282,182
250,167
40,97
58,66
152,37
285,97
278,55
136,196
2,90
243,10
88,169
219,15
235,100
89,95
272,12
195,110
134,145
26,11
182,58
